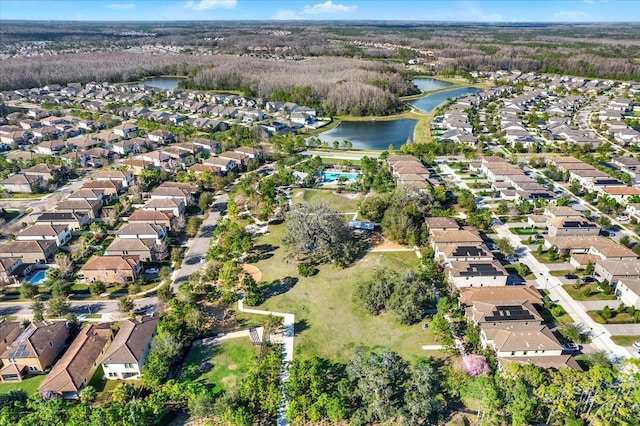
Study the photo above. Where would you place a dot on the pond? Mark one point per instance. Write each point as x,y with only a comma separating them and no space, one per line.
428,84
376,135
430,102
166,83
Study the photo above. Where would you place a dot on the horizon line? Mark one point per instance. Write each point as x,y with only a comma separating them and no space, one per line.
320,20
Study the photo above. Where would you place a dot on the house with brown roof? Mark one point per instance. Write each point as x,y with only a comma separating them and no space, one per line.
91,208
161,136
125,130
89,195
142,231
40,251
146,250
9,331
129,349
167,192
34,350
224,164
441,224
61,234
45,171
621,193
612,271
155,217
74,370
111,188
125,178
561,211
500,295
175,206
138,165
252,153
241,160
110,269
20,183
439,238
12,269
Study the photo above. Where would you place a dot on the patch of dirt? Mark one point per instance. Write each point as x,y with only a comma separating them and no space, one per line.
232,367
378,242
255,273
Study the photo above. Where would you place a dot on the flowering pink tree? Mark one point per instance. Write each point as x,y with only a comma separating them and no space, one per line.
475,365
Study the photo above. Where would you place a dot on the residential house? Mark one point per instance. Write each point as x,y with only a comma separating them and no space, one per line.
41,251
152,217
138,165
125,130
561,211
12,270
621,193
110,188
60,234
252,153
20,183
91,208
571,226
129,349
440,238
241,160
441,224
128,146
161,136
142,230
158,159
628,291
612,271
125,178
74,370
52,147
167,192
225,165
111,269
34,350
45,171
147,249
88,195
9,331
175,206
488,273
74,220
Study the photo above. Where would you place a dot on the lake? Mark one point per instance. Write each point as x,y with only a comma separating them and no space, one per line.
430,102
166,83
371,134
428,84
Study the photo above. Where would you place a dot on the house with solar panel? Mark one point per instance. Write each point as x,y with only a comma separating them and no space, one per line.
34,350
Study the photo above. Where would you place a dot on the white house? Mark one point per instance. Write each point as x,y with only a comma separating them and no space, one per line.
129,349
61,234
628,291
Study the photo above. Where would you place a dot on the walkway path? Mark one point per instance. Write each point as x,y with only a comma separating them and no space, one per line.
287,352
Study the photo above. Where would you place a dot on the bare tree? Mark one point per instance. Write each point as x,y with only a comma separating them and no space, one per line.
109,217
64,264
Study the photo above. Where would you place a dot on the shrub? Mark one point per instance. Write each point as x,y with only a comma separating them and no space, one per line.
587,292
606,313
306,270
475,365
557,311
253,299
229,297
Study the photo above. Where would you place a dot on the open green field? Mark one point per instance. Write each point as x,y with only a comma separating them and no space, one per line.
578,294
341,202
30,385
219,366
328,323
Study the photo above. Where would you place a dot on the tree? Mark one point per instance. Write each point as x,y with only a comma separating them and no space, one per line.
58,306
205,200
193,224
165,293
97,288
37,307
503,207
475,365
109,216
315,233
505,246
422,398
125,304
64,264
28,290
480,218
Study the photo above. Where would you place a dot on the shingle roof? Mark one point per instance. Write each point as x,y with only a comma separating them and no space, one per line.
110,263
130,343
35,339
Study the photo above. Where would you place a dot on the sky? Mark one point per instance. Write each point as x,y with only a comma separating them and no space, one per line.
414,10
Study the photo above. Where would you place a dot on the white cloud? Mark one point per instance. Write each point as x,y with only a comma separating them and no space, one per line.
121,6
571,15
211,4
285,15
327,7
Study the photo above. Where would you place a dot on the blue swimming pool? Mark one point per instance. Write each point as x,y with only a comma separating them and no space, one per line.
38,278
329,177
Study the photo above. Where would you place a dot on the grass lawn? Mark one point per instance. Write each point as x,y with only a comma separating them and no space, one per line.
561,273
577,294
544,258
330,160
625,340
525,230
341,202
619,318
30,385
104,387
221,366
328,323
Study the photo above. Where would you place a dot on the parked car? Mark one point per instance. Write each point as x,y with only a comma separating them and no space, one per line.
636,344
622,218
511,259
151,271
571,276
588,280
571,347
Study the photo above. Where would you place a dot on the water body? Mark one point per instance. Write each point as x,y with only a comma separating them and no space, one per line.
428,84
166,83
430,102
371,134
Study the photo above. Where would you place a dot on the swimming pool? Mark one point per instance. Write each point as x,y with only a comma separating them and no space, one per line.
38,278
328,177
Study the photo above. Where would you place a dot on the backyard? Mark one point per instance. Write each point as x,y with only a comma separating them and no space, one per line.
29,385
219,366
328,323
341,202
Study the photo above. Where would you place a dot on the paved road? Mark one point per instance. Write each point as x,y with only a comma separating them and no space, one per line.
108,308
199,245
